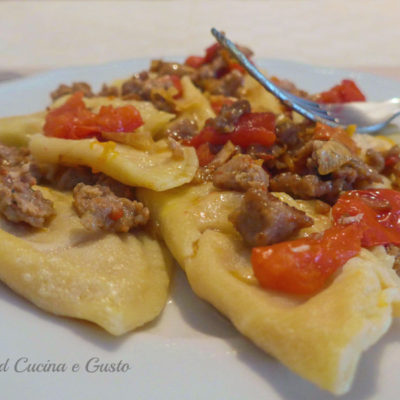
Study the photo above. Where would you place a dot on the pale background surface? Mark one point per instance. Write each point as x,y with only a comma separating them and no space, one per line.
39,35
36,36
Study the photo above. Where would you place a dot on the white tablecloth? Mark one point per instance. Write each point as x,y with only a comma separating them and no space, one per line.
52,34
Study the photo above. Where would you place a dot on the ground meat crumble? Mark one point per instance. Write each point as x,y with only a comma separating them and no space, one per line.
240,173
262,219
101,202
19,202
63,90
100,209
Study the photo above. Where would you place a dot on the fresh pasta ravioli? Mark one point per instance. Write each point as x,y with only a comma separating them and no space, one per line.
155,169
119,282
267,234
320,338
16,131
289,228
139,162
79,244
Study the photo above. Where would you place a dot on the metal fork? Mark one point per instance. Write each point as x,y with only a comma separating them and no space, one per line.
370,117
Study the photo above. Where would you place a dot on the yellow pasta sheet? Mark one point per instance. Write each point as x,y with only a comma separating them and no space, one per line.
156,169
118,281
320,338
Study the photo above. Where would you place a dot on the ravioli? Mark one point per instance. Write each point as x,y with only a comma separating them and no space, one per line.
117,281
321,338
120,281
16,131
142,162
259,98
155,169
193,104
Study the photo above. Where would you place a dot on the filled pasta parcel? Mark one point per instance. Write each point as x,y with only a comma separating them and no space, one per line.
79,243
288,227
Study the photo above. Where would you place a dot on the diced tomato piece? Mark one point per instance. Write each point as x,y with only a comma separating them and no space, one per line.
217,102
204,154
211,52
376,211
325,132
178,85
195,61
391,160
116,214
303,266
252,128
62,121
198,61
362,218
235,65
255,128
346,91
73,120
117,119
207,135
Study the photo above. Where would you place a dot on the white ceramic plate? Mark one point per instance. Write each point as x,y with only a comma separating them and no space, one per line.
190,352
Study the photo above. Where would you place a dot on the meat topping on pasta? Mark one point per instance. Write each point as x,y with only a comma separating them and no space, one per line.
229,116
19,202
102,202
160,90
245,141
240,173
63,90
262,219
66,178
100,209
182,130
